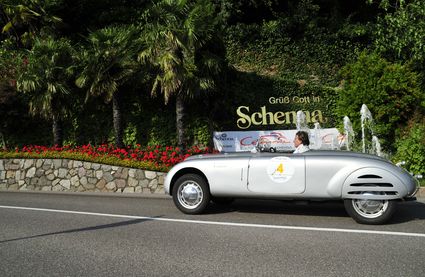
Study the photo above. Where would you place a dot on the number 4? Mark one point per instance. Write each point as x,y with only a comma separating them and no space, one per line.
280,168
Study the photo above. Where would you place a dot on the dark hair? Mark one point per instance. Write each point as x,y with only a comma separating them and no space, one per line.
303,136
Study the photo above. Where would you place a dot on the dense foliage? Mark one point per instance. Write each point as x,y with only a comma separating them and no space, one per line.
400,31
107,65
105,68
180,39
46,79
411,148
391,91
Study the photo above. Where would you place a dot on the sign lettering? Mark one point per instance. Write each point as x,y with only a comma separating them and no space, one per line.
263,117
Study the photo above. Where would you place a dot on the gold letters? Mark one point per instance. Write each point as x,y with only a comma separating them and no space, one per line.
244,121
263,117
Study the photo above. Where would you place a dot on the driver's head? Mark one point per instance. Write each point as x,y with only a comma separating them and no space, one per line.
301,137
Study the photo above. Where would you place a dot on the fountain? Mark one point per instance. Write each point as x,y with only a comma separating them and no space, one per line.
317,136
348,132
366,115
301,121
376,146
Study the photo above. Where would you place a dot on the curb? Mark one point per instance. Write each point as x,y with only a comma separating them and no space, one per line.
420,194
102,194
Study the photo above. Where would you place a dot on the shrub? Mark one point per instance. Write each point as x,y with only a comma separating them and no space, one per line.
411,149
390,90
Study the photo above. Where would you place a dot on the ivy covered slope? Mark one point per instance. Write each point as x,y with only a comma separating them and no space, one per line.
295,54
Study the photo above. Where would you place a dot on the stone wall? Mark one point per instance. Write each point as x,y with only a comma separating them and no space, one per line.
71,175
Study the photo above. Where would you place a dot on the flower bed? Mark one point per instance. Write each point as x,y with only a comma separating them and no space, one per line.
157,158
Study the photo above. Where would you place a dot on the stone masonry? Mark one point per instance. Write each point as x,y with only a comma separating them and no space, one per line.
76,176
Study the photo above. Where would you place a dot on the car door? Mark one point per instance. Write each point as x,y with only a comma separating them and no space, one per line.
228,176
277,174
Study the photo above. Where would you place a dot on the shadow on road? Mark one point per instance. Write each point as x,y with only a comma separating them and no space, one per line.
409,211
91,228
406,211
328,208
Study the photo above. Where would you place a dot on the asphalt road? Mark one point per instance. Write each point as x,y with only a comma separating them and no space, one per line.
86,235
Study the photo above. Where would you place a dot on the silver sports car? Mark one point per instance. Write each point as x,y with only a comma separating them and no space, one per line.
368,185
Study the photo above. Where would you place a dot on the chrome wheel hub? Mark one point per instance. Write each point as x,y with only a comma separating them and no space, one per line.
190,194
370,208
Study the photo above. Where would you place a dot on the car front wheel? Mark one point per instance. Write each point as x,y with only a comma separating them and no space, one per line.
367,211
191,194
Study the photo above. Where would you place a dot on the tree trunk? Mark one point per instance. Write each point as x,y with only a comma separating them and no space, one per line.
57,131
117,119
210,113
2,141
180,115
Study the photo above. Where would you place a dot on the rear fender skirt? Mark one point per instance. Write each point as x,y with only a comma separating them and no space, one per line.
373,183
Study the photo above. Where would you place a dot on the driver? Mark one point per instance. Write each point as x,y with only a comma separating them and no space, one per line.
301,142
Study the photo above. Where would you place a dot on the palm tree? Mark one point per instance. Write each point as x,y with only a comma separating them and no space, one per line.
24,20
177,35
108,63
46,80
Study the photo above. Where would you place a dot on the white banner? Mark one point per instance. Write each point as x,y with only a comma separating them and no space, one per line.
280,140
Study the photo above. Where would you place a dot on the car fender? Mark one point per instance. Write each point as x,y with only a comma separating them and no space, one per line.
336,183
377,183
180,169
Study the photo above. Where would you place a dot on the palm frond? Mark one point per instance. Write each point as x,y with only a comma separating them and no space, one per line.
46,78
110,60
175,35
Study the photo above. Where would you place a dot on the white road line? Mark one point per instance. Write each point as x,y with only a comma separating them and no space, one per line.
223,223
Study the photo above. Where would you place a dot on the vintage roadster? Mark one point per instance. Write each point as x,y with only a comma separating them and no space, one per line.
369,185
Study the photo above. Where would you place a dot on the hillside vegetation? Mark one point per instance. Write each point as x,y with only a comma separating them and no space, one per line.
170,72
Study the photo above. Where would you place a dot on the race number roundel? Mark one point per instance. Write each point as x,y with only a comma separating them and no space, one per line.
280,169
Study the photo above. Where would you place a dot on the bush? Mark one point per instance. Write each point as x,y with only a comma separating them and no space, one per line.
16,126
411,149
390,90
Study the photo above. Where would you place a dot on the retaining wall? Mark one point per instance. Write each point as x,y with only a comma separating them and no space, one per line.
76,176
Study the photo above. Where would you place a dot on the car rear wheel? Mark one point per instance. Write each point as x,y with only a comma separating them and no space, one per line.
191,194
366,211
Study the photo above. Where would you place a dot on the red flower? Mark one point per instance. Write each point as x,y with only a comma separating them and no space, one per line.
160,156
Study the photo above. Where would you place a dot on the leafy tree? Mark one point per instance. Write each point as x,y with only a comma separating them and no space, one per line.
8,66
46,80
178,36
26,19
400,31
390,90
108,63
81,16
400,36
